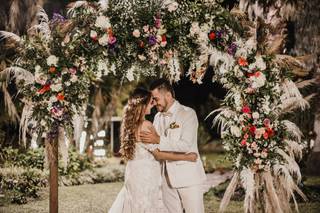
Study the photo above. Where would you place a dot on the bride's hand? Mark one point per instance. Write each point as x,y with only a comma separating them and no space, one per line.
192,156
156,153
150,136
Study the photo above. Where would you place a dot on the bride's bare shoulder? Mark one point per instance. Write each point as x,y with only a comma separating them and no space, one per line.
146,125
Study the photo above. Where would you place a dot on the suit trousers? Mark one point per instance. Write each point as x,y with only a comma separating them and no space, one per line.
189,199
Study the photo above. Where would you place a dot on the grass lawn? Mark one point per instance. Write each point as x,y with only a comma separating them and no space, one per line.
218,160
99,197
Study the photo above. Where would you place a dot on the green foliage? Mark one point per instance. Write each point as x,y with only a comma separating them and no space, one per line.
21,184
33,158
76,164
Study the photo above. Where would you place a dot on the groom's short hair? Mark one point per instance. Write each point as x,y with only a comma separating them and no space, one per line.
162,84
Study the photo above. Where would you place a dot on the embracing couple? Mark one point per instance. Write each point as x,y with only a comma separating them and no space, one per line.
164,172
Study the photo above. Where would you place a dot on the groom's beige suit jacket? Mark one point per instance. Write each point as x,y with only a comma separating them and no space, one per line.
180,137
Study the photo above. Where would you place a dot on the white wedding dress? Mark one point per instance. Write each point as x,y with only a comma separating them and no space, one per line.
141,192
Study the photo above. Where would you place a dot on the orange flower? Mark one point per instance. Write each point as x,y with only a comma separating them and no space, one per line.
52,69
60,96
242,62
109,31
44,89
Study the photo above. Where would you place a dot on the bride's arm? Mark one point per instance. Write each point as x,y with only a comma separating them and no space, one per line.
159,155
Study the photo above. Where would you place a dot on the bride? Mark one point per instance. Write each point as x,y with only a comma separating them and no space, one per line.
141,192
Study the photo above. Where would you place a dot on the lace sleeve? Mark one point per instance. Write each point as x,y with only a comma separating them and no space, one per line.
151,147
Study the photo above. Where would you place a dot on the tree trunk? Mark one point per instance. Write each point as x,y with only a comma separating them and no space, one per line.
53,158
313,163
54,179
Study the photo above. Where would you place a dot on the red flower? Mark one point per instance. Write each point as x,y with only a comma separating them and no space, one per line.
252,129
141,44
163,38
243,142
60,96
52,69
242,62
250,74
246,109
270,132
212,36
44,89
265,135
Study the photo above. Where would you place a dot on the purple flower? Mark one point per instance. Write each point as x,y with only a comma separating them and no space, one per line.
57,18
219,34
152,40
232,49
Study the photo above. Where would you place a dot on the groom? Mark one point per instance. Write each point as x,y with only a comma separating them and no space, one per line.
176,128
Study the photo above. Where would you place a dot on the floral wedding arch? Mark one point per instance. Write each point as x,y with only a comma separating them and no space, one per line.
60,58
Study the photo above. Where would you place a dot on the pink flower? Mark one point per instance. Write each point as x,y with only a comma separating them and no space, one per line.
243,142
112,40
257,74
56,112
266,122
146,28
157,23
246,136
73,70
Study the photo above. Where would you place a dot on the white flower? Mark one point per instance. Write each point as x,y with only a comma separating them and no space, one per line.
103,22
264,154
129,75
141,57
52,60
258,80
255,115
53,99
37,68
43,122
136,33
194,29
93,34
173,6
235,131
56,87
40,78
258,161
163,43
254,146
103,67
103,40
260,63
74,78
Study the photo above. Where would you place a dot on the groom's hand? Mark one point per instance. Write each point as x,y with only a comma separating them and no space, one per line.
150,136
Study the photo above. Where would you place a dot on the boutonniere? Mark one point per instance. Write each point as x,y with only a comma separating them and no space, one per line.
174,125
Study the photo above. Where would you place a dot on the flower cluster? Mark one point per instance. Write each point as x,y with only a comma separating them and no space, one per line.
61,79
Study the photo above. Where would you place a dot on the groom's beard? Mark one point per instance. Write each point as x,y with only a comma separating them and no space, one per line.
162,108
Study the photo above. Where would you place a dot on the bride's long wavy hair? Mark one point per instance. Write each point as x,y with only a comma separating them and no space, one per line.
133,117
